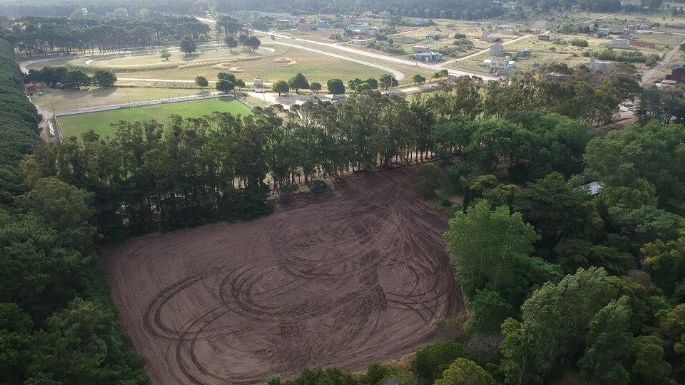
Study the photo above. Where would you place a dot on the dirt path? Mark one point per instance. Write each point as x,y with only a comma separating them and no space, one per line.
481,52
357,277
649,77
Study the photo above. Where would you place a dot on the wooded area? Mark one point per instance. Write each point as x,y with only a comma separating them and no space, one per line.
57,323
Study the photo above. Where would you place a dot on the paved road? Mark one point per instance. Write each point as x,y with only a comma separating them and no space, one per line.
377,56
649,77
397,74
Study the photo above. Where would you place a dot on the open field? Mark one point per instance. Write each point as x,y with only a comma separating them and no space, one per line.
359,276
101,122
273,62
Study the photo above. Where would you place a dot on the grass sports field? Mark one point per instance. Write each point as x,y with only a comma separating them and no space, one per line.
101,122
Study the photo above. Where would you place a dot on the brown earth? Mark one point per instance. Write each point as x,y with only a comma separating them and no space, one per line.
356,277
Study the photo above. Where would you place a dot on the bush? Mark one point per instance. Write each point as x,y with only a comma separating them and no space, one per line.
319,187
432,360
579,43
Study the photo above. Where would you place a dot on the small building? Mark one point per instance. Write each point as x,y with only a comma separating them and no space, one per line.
258,85
502,67
427,57
506,29
364,41
603,32
284,24
603,66
322,24
619,43
420,49
677,75
490,38
498,50
524,53
545,36
305,27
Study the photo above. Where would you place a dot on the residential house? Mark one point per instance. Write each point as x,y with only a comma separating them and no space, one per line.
427,56
490,38
322,24
258,85
603,32
524,53
619,43
362,40
506,29
545,36
502,67
305,27
677,75
603,66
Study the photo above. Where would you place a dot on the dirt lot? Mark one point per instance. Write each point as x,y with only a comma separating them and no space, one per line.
356,277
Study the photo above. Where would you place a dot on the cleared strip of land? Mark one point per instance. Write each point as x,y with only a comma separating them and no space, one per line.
356,277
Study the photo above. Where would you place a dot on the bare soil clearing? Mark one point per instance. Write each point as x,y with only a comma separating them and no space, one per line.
357,277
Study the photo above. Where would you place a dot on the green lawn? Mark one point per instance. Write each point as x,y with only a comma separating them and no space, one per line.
101,122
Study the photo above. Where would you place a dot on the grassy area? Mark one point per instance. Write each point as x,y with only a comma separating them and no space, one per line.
273,62
68,100
101,122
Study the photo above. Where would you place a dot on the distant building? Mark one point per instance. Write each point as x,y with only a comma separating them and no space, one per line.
258,85
427,56
506,29
603,66
490,38
498,50
544,37
524,53
620,43
603,32
322,24
362,41
677,75
304,27
502,67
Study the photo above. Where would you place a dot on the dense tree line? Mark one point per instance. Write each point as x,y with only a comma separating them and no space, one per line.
40,35
576,93
57,325
560,276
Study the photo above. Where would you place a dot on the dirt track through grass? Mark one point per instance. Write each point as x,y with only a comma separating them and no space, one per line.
357,277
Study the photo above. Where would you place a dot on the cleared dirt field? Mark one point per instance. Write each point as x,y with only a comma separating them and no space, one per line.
355,277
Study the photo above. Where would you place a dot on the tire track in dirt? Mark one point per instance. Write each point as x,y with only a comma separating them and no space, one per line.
361,276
